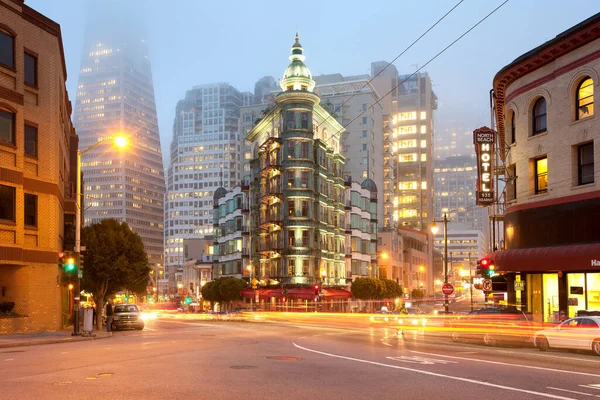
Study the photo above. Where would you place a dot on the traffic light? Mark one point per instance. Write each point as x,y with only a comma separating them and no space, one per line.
188,300
61,259
316,289
70,265
81,259
485,267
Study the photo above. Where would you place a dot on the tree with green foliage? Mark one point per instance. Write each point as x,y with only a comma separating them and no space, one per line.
418,293
115,260
367,288
210,291
224,290
230,289
391,289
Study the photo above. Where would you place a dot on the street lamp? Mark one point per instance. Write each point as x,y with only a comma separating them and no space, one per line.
434,230
120,141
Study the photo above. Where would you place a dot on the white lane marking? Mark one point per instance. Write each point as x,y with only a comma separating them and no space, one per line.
9,359
508,364
572,391
64,352
592,386
421,360
387,344
419,371
148,343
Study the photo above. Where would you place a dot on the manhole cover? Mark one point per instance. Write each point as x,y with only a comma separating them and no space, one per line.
283,358
242,367
13,351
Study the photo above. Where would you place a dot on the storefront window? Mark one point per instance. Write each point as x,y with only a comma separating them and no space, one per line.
550,282
533,287
593,291
575,293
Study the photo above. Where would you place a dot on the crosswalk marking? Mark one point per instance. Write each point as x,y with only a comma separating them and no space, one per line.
421,360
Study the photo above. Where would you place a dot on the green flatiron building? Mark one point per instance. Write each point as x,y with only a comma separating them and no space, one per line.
297,190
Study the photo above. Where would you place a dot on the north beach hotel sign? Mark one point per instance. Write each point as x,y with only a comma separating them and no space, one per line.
484,139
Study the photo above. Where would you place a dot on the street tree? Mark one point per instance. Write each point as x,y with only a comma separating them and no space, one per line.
391,289
115,260
226,289
210,291
367,289
230,289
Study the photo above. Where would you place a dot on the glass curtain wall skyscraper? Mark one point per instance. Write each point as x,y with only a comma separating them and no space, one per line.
115,96
205,155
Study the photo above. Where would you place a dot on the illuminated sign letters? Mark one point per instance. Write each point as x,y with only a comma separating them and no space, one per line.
484,139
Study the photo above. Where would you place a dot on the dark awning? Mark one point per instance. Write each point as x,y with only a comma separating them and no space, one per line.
578,257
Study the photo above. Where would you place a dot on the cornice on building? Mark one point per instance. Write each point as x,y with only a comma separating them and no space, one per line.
564,43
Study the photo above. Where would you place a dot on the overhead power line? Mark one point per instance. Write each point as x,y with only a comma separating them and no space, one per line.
423,66
397,57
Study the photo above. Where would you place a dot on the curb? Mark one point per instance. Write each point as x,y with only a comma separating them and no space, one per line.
51,341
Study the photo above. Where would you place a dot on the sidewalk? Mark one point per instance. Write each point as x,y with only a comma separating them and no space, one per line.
61,336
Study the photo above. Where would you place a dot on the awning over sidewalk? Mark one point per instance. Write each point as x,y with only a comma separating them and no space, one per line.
555,258
295,293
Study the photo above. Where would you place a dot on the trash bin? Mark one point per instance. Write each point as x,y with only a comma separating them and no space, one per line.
88,319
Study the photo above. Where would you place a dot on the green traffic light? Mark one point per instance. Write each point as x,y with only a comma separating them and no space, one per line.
70,266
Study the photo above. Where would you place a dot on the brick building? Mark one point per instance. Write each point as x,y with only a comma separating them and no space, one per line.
549,136
37,140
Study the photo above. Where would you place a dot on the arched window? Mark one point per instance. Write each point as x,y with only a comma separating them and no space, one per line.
539,116
585,98
513,136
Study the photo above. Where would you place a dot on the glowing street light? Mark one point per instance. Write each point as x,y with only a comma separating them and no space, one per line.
119,141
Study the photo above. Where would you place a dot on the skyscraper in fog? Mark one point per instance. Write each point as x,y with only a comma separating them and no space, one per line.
115,96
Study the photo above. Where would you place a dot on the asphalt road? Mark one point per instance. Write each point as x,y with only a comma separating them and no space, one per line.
243,360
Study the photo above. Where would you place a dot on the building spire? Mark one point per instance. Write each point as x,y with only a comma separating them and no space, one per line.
297,76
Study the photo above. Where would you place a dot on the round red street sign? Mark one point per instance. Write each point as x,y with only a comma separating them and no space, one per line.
447,288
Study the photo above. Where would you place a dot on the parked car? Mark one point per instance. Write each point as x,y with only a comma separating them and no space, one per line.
579,333
493,325
127,316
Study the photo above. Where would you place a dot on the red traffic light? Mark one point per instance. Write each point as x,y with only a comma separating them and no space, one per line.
484,261
316,287
61,254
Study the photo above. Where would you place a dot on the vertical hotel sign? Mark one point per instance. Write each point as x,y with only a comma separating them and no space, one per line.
484,139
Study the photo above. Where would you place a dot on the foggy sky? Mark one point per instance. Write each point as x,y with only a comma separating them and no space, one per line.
196,42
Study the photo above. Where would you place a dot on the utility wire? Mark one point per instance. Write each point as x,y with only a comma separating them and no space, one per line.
394,60
270,113
419,69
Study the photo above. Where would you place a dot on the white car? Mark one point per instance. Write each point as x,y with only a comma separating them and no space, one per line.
579,333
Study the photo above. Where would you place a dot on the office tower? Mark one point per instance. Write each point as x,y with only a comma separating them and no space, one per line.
455,183
351,101
205,155
115,96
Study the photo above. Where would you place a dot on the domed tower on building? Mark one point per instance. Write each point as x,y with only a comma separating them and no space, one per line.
297,189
